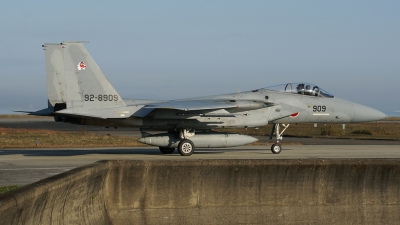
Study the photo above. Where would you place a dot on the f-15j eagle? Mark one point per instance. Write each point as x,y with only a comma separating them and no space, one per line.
79,93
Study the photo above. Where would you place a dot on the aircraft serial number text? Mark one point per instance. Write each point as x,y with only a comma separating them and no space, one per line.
318,108
101,98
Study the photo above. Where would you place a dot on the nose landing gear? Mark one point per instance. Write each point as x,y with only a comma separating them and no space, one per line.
276,148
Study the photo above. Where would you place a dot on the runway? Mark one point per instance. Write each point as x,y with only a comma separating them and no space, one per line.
24,166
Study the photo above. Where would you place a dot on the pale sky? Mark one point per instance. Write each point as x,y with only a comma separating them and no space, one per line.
178,49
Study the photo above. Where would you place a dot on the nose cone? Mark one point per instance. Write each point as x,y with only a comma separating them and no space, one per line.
364,113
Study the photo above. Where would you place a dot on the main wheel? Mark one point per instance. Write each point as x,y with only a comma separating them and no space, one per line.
276,148
186,147
165,150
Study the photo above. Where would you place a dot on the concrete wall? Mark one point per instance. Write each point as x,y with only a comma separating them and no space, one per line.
323,191
73,197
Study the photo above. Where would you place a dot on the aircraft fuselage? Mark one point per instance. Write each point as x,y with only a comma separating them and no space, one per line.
254,108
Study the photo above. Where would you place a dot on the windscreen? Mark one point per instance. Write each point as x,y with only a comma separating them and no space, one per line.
302,89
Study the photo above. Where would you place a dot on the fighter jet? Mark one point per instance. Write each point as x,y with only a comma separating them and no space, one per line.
79,93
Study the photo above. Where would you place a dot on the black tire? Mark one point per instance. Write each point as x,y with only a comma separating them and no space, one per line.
276,148
165,150
186,147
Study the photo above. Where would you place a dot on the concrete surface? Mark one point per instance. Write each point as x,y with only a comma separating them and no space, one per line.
224,191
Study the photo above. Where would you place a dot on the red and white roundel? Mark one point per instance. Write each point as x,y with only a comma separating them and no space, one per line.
81,66
294,115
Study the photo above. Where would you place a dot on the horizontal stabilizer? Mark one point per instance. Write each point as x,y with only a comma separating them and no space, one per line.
78,114
42,112
107,113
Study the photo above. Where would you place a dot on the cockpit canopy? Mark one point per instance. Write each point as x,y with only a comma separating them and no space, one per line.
302,89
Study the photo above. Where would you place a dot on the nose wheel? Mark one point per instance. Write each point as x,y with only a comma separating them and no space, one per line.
276,148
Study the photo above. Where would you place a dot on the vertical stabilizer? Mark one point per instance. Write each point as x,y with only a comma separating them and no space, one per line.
74,80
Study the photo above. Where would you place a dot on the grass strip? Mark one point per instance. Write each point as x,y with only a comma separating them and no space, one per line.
4,189
29,138
374,130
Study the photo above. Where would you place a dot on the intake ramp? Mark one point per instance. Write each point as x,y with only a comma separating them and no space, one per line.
303,191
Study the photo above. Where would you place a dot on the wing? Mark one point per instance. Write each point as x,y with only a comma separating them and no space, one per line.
192,105
204,106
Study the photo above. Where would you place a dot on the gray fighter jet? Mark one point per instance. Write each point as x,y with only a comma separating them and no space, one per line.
79,93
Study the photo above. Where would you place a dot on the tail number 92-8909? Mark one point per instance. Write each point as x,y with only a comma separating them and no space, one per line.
101,98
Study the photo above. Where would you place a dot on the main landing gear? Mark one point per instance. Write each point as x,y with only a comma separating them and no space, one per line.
185,147
276,147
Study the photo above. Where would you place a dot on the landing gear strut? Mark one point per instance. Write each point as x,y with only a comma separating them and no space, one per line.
276,147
